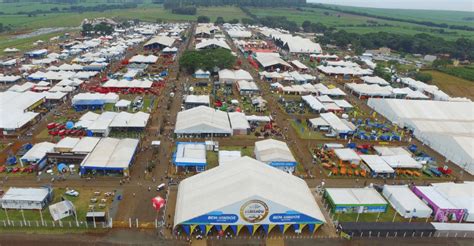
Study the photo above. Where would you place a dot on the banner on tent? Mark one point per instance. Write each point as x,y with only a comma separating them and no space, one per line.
291,217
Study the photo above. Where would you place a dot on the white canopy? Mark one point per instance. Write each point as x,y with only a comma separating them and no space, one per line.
271,150
111,153
202,119
210,191
347,154
376,164
406,202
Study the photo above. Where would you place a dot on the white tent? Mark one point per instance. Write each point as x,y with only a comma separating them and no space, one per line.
227,189
460,194
111,154
271,150
406,203
202,120
38,152
445,126
212,43
232,76
401,161
226,156
348,155
376,164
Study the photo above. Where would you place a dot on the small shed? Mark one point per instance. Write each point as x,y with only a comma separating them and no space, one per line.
62,210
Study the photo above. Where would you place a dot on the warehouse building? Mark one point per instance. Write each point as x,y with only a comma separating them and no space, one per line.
245,196
72,150
26,198
111,156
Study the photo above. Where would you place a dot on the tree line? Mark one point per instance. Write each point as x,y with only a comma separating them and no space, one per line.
389,18
171,4
99,29
421,43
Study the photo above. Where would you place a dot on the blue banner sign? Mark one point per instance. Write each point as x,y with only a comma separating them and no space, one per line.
291,217
214,218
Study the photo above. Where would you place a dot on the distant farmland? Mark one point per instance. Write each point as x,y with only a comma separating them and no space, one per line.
452,85
358,23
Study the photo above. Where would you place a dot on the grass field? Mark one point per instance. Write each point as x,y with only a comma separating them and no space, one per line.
144,12
304,132
435,16
352,23
25,44
453,86
81,204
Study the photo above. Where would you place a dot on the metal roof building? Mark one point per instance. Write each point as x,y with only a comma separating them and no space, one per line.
26,198
110,155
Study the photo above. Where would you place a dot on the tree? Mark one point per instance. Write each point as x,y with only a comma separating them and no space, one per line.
424,77
381,71
247,21
439,63
306,26
184,10
203,19
219,20
206,59
103,29
234,21
87,29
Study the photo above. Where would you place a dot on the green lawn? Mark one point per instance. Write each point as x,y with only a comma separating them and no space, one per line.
212,159
24,44
304,132
81,204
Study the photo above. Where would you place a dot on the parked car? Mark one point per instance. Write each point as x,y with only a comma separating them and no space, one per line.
72,193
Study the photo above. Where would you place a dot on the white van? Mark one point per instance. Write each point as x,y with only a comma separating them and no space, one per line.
160,187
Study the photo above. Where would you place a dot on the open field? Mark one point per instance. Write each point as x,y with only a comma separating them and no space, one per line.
25,44
81,204
144,13
435,16
355,23
452,85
